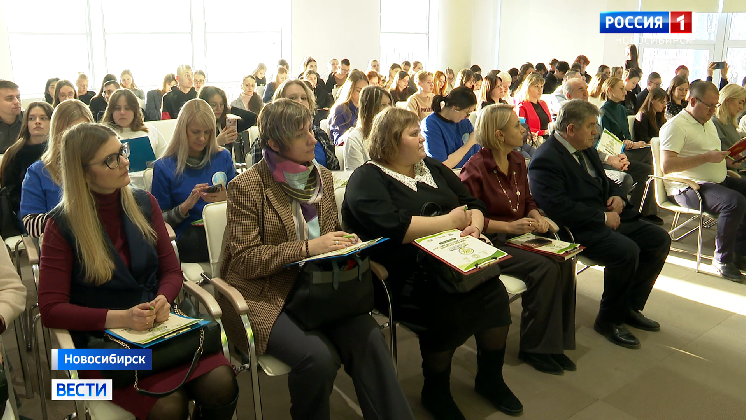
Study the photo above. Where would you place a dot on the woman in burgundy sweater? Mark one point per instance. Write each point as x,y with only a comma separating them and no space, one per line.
497,175
125,275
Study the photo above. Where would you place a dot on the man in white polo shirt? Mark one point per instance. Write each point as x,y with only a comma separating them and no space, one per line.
690,148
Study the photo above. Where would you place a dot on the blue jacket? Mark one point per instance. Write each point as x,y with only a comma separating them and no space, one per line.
171,189
39,194
443,137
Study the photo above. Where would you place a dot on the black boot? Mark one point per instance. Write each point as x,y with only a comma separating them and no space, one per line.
202,412
436,395
490,384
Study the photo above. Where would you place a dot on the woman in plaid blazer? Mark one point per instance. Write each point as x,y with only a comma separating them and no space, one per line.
280,211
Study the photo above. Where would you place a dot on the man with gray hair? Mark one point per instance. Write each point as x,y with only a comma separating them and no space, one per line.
558,96
568,182
180,94
690,149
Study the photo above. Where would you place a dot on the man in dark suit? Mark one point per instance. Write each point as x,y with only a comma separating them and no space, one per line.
568,182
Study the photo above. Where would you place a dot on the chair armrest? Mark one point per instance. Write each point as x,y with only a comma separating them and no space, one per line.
553,227
232,294
205,298
31,250
733,174
688,182
379,270
63,338
171,233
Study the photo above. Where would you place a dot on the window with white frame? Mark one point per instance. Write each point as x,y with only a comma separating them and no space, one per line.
404,32
151,38
714,37
44,43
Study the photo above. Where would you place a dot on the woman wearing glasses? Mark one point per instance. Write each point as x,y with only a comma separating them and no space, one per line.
193,171
108,263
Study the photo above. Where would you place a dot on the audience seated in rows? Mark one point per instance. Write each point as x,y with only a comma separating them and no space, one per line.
465,78
337,79
553,80
200,78
387,197
654,81
532,107
49,89
179,94
568,183
497,176
677,94
373,100
31,144
399,87
126,81
291,220
652,114
107,262
449,135
731,104
40,191
440,83
248,99
393,71
631,78
343,115
259,74
192,163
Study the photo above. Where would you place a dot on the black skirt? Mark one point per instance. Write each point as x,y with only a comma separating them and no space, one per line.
444,321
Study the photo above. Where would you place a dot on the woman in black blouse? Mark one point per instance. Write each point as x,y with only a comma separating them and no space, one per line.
398,89
677,93
651,117
386,197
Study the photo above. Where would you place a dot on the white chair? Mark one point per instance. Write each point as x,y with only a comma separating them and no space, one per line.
473,118
324,125
401,104
339,151
215,218
25,102
253,136
702,218
166,127
631,123
147,179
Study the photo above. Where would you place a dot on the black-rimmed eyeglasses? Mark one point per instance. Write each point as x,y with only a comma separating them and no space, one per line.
112,161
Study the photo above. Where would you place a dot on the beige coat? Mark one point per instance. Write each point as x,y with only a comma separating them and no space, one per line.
260,240
12,291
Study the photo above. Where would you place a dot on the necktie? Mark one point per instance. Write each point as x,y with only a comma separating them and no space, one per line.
581,160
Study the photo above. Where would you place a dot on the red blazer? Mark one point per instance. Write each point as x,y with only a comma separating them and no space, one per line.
527,111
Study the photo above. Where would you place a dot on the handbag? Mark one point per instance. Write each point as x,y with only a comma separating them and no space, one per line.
9,224
330,291
448,279
186,348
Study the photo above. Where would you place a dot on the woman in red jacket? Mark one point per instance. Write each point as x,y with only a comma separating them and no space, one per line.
531,107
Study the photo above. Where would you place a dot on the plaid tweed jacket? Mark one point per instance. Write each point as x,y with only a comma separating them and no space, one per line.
260,240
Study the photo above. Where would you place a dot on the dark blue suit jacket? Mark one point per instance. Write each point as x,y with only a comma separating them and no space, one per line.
569,195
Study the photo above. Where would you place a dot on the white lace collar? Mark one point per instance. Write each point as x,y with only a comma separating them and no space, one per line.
421,174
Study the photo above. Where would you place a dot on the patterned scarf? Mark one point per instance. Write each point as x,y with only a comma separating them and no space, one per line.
302,183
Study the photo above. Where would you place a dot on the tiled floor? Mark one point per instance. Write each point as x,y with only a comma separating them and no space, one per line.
692,369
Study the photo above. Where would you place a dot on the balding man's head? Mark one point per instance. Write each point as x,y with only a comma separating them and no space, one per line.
576,88
572,74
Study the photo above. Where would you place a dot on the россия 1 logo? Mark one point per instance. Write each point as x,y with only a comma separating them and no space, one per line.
646,22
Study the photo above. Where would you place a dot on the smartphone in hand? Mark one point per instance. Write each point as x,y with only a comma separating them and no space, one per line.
214,189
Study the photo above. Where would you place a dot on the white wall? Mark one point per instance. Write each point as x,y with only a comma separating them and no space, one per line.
464,36
330,28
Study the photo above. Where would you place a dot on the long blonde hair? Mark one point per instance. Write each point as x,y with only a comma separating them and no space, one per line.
79,146
63,118
194,109
731,92
534,78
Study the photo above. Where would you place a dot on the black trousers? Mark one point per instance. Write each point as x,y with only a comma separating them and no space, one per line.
548,315
640,166
315,358
632,256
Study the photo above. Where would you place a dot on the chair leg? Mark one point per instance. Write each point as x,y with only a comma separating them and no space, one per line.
20,342
11,390
254,369
699,244
39,370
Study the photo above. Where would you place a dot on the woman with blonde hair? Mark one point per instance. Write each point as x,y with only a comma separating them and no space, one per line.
421,102
146,143
192,172
373,99
40,191
596,94
154,101
343,115
732,103
386,197
126,81
107,262
84,95
259,73
531,106
63,91
31,143
497,175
